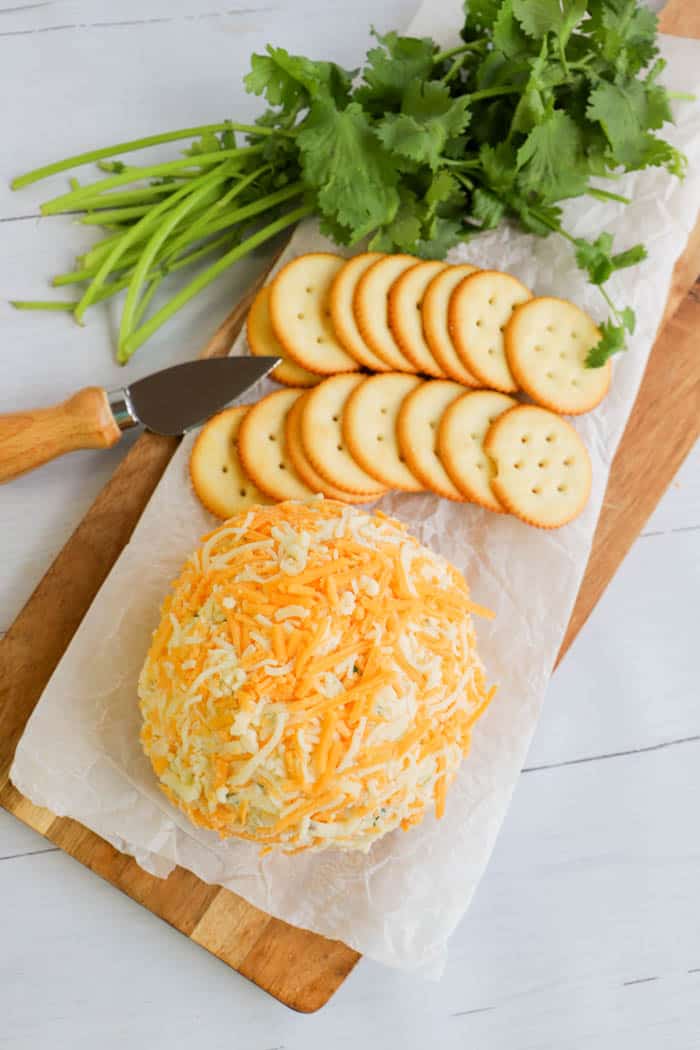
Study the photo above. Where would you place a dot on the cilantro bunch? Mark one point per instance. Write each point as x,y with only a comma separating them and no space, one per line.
418,151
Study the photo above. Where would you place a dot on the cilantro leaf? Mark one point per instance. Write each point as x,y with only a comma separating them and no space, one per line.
392,67
441,235
508,37
612,341
595,257
625,32
551,160
487,209
539,17
342,159
499,167
480,16
624,111
632,257
291,81
429,118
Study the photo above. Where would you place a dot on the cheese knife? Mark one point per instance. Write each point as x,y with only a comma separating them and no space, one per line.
169,402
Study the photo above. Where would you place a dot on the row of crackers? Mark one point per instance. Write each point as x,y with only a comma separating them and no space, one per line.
352,437
481,337
394,313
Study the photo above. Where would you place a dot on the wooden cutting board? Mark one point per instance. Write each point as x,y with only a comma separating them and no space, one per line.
300,968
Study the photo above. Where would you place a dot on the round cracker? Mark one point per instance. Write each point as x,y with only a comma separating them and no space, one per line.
369,426
547,341
417,430
262,448
262,343
301,462
437,334
543,470
321,429
300,313
405,316
479,309
461,434
371,308
340,300
217,474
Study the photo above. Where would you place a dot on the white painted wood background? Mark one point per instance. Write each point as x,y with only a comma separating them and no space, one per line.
585,933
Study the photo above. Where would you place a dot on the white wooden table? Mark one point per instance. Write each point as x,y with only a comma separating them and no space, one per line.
585,933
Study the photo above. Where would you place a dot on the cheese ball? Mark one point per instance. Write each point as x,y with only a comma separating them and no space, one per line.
313,681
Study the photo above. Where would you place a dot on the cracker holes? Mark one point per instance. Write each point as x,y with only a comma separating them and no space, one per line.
539,349
568,462
243,492
281,466
380,437
320,339
300,317
492,300
309,290
271,437
551,375
535,490
561,488
524,439
575,382
518,464
478,322
383,411
563,355
491,351
549,328
339,447
224,470
550,438
336,418
543,463
432,424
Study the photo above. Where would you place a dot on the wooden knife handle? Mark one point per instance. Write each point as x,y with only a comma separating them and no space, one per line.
28,439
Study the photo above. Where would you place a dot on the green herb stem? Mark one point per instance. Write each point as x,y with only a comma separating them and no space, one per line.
136,233
443,56
149,253
75,201
128,147
138,337
43,304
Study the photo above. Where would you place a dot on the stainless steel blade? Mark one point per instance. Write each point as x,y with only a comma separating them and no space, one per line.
178,398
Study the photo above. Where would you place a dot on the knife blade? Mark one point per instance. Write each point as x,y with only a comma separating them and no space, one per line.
176,399
168,402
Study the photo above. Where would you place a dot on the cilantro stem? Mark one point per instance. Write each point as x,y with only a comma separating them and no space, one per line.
135,233
113,287
147,297
494,92
75,200
475,45
128,147
105,216
605,195
195,230
138,337
454,69
682,96
149,253
43,304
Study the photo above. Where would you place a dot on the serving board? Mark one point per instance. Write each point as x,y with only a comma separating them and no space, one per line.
300,968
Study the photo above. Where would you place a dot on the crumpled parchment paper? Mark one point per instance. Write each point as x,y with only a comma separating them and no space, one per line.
80,755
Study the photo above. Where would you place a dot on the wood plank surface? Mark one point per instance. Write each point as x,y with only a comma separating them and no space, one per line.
303,969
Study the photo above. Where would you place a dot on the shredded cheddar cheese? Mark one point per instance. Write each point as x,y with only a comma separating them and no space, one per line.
314,679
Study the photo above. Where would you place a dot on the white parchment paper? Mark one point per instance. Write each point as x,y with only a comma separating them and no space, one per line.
80,754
